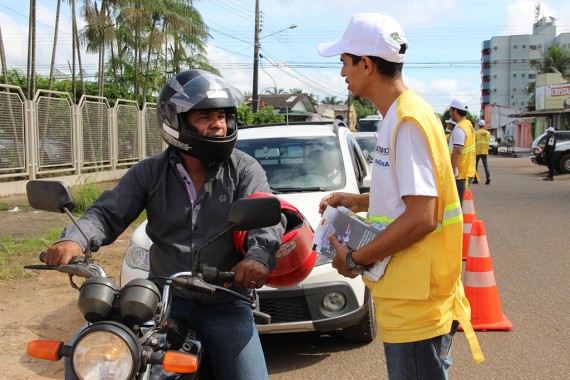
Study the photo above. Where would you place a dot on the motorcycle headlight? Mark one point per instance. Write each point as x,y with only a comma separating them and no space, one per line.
105,351
137,257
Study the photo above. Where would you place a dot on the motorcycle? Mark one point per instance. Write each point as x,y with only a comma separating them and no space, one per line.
129,333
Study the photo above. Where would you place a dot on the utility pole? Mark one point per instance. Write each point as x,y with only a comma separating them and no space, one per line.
255,97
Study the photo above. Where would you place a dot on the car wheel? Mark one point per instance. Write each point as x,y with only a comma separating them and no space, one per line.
365,331
564,164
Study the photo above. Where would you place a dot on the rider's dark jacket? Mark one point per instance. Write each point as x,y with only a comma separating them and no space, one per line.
175,228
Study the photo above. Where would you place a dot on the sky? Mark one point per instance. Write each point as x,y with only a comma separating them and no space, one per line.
442,63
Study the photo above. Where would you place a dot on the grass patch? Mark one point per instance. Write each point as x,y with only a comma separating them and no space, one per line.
84,196
14,254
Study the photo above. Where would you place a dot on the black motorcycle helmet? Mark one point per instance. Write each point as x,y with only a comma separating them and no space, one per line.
193,90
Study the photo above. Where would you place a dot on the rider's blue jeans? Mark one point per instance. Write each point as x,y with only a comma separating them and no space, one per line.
426,359
229,336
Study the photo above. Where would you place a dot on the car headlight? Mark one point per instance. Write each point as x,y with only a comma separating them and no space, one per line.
322,260
105,351
334,301
137,257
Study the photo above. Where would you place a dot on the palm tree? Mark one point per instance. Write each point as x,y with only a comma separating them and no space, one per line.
331,100
98,33
52,66
275,90
3,59
31,67
556,59
75,49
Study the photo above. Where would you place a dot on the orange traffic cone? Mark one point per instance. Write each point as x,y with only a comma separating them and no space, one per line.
480,286
469,217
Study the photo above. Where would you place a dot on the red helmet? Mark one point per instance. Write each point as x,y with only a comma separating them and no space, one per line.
295,258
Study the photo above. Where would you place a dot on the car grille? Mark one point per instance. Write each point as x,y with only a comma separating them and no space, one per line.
282,310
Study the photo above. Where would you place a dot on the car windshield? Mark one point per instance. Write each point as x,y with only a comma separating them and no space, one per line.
298,164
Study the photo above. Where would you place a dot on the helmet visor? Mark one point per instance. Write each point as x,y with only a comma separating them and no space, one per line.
206,91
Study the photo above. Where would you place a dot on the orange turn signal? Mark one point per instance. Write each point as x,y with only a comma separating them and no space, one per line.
44,349
179,362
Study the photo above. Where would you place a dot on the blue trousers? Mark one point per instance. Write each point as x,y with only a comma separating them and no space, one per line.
424,360
229,336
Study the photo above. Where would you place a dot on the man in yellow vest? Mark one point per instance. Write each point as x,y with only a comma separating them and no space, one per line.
462,146
482,141
419,298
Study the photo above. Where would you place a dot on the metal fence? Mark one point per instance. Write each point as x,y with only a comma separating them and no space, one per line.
50,135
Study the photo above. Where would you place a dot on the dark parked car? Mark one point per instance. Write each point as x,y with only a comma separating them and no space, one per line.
561,154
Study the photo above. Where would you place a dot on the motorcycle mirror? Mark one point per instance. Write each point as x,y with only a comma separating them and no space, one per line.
52,196
252,213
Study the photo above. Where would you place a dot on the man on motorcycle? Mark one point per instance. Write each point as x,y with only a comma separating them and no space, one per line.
187,191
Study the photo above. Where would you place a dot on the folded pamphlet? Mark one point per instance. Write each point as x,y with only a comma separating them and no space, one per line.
351,230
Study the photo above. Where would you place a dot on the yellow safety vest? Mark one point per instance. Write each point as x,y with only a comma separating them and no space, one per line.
482,141
421,292
467,161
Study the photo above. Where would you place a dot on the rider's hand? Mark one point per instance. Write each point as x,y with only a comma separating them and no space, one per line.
249,274
62,252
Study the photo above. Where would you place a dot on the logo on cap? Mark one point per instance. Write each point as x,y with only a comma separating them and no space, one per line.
395,36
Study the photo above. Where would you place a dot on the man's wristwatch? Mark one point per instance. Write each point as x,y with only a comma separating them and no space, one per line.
351,266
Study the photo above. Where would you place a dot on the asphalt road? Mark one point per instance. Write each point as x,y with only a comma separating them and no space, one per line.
527,225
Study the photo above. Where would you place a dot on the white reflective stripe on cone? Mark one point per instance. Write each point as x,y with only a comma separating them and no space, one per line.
478,247
479,279
467,227
468,207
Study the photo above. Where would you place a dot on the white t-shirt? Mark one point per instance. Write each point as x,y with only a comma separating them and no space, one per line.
407,171
457,137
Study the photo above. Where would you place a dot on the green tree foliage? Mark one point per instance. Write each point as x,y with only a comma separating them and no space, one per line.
266,115
244,115
112,91
363,108
556,59
331,100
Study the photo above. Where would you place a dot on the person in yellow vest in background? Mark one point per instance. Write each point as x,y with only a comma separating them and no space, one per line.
482,141
462,147
419,298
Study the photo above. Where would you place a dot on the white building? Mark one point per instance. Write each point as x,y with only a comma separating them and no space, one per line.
507,73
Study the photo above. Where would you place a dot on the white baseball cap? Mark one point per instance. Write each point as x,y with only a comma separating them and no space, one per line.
481,123
550,129
458,104
369,34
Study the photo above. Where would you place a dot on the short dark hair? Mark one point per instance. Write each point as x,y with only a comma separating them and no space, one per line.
385,68
460,112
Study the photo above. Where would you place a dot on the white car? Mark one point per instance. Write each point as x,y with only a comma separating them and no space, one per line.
324,301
